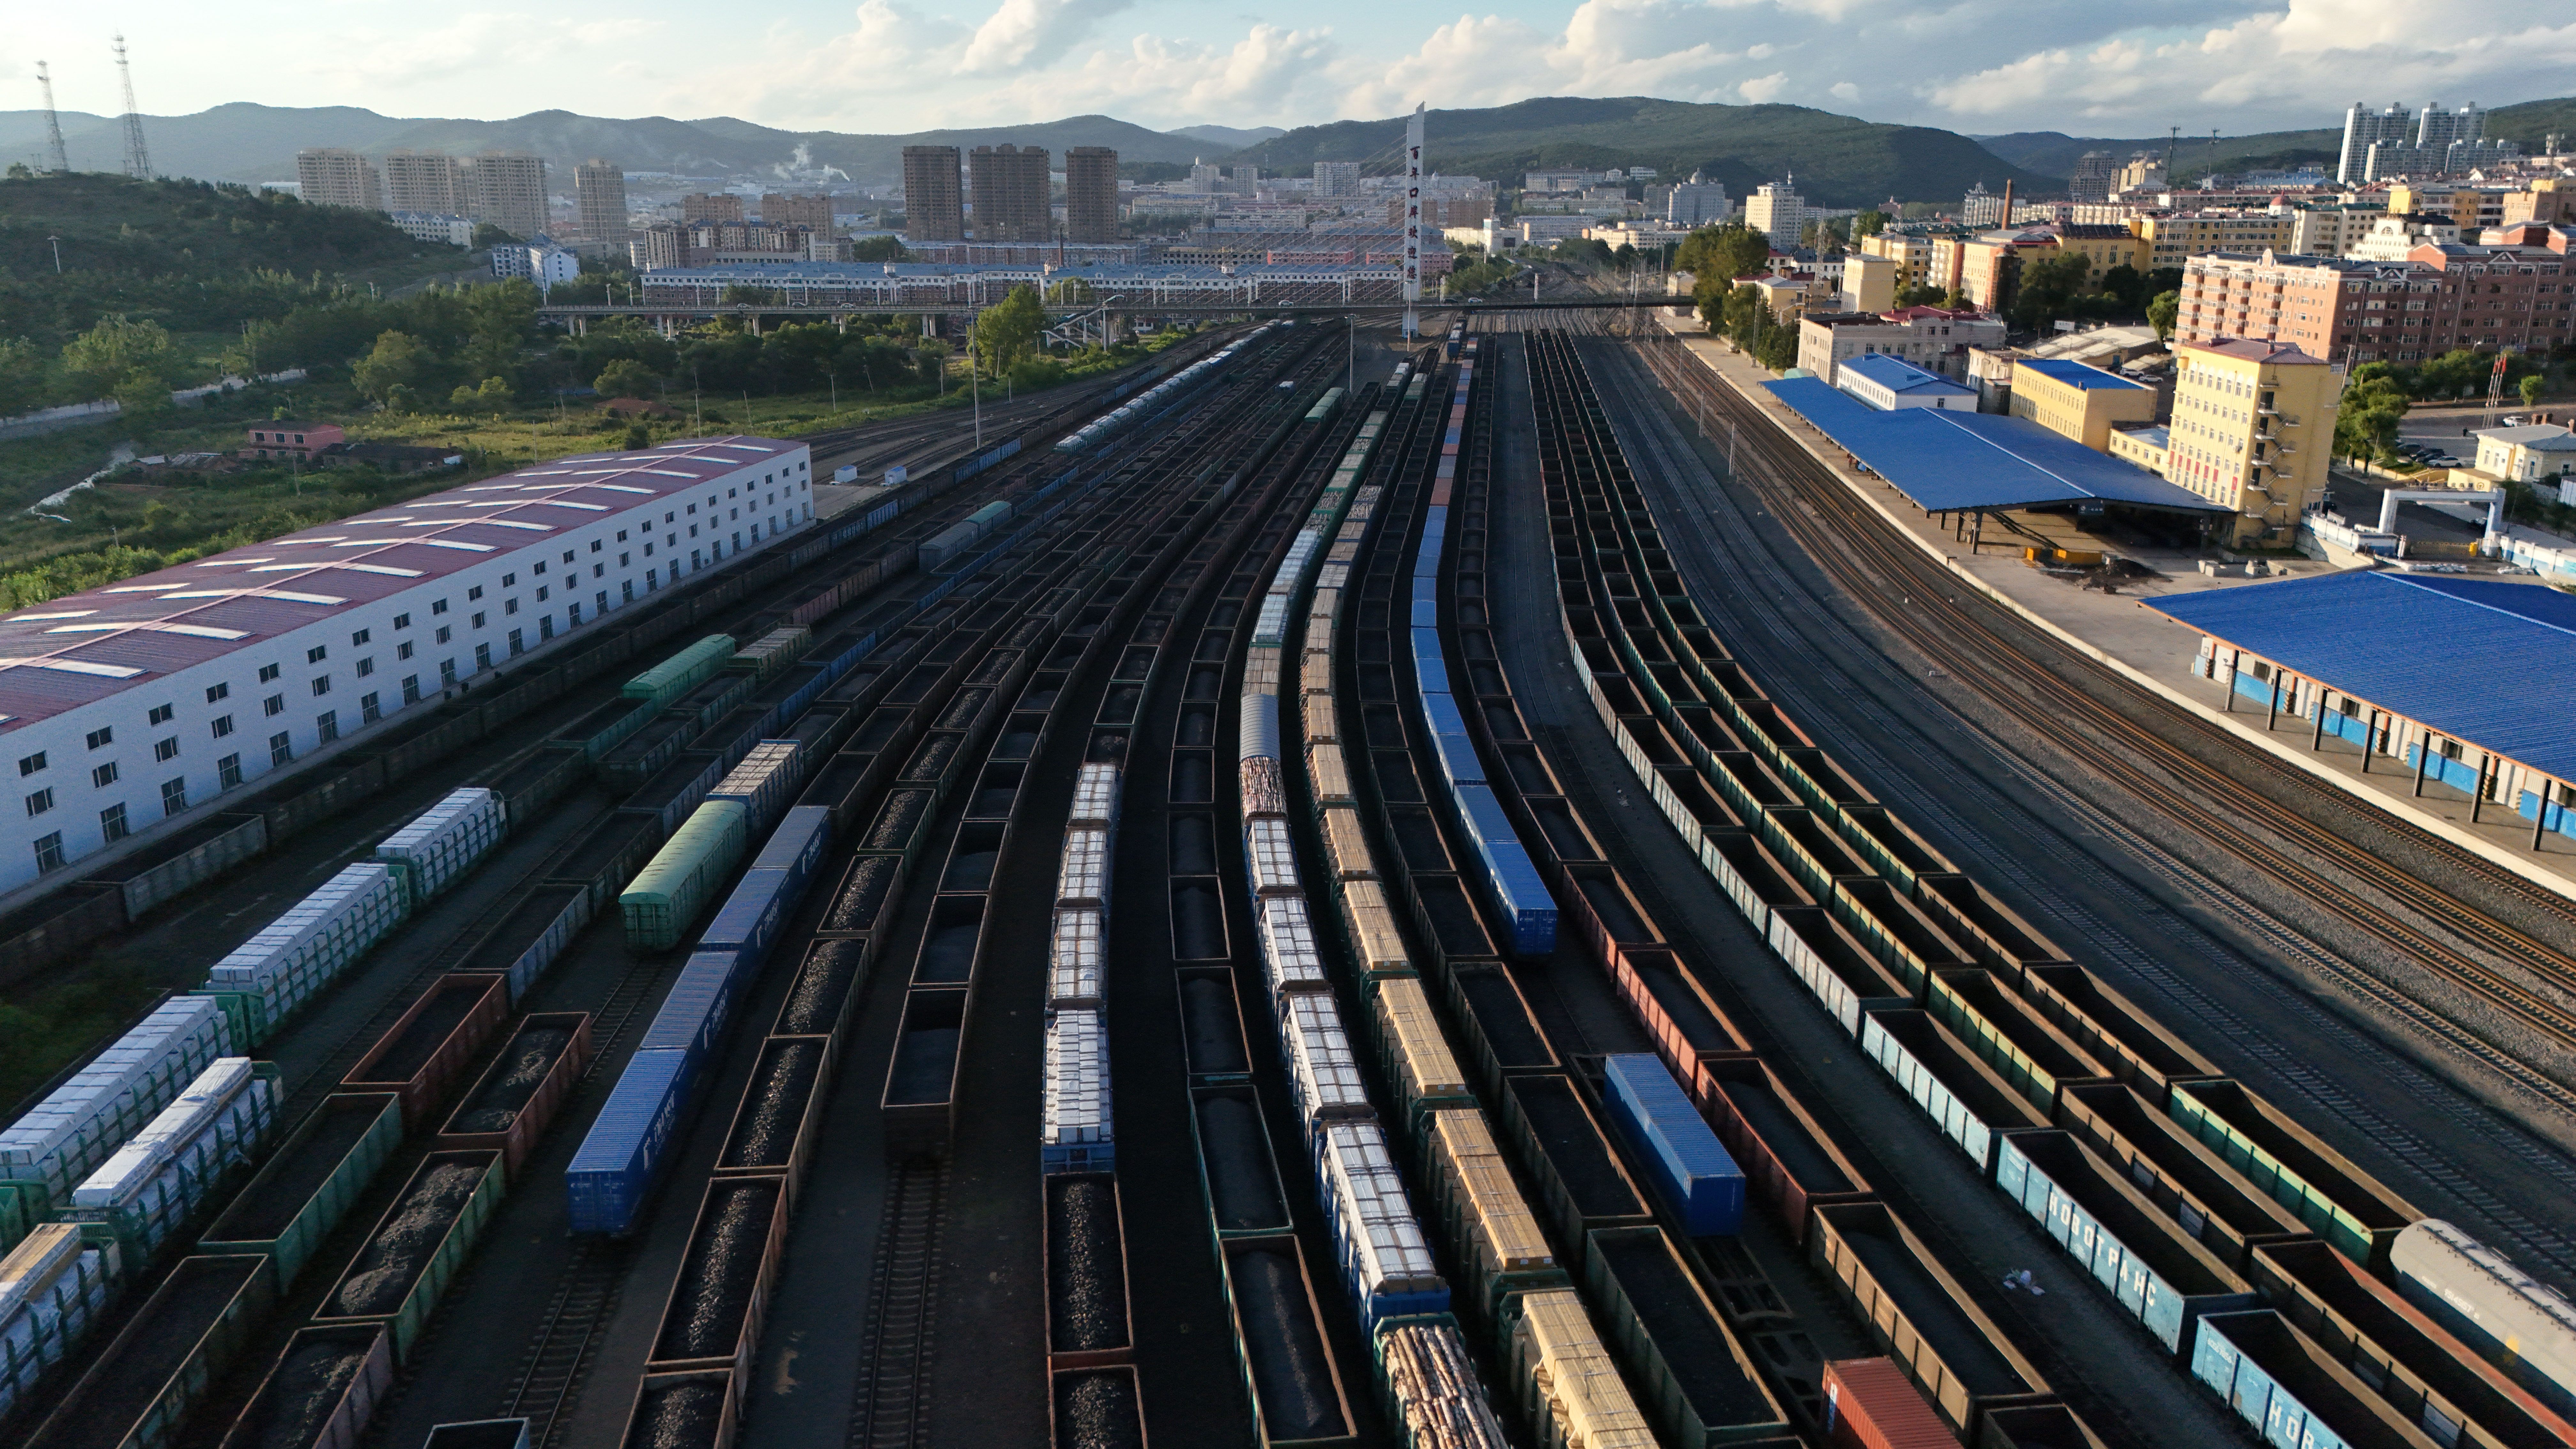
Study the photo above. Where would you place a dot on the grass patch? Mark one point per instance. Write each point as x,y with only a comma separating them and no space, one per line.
47,1025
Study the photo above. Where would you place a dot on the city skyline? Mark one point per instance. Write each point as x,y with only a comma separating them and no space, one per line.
888,67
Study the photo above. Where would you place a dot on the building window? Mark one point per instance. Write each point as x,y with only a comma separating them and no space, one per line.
321,684
446,672
327,725
100,739
509,606
477,620
217,692
508,581
546,625
41,801
411,689
103,776
361,636
281,748
317,653
572,613
275,704
628,585
444,631
438,606
111,822
474,593
161,713
543,593
49,853
366,666
174,796
482,657
227,772
267,672
30,764
402,621
223,725
368,710
167,749
517,646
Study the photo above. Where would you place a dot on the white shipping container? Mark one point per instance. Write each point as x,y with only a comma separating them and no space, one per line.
1074,956
1082,877
1322,1070
76,1127
1077,1080
169,1136
1289,961
309,946
1382,1246
1271,855
1095,797
443,842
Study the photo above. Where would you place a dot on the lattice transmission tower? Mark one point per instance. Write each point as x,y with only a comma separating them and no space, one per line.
138,160
53,123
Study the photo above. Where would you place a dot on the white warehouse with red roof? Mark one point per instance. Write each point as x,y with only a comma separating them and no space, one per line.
153,697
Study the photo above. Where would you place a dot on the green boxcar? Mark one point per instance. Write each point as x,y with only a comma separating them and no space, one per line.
244,1011
681,672
418,1246
17,1214
671,891
309,1185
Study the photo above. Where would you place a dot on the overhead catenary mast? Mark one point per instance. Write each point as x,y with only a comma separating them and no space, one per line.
138,161
1412,223
53,123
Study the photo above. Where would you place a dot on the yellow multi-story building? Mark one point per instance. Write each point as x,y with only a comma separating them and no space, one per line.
2253,429
2102,248
2079,402
2470,208
2175,239
1910,251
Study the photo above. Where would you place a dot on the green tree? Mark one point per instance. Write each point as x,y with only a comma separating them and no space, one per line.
879,249
638,437
1868,223
2367,420
492,396
22,376
499,320
2164,311
143,395
2531,387
1724,252
2048,290
398,360
1747,315
102,359
625,378
1955,299
1008,330
489,235
1922,295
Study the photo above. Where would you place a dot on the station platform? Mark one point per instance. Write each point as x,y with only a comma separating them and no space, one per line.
2151,650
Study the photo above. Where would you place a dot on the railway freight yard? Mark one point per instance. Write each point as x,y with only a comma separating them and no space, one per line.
1321,892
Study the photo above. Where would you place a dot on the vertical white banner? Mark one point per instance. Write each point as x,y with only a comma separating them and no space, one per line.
1412,220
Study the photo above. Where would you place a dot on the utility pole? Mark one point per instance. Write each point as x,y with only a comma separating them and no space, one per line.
58,254
974,387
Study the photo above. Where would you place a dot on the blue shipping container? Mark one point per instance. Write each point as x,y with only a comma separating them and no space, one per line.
798,845
1516,882
750,920
1689,1165
1426,614
615,1165
693,1016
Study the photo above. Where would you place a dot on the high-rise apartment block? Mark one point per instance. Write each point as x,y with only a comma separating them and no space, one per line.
1698,202
1337,179
599,196
2364,128
2377,145
1776,209
337,176
508,190
1091,194
430,181
934,201
723,208
1011,194
2442,297
812,212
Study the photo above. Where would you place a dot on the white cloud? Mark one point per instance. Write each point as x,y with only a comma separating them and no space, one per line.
1017,32
1764,89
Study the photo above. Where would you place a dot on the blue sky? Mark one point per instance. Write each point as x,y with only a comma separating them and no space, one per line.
903,65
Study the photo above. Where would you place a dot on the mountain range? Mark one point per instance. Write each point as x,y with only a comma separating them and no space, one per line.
1837,160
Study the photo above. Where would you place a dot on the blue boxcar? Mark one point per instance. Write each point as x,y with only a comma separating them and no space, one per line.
752,918
1689,1165
694,1015
1517,884
615,1165
803,837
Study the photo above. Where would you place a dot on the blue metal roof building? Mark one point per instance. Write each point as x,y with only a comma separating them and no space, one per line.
2478,666
1958,461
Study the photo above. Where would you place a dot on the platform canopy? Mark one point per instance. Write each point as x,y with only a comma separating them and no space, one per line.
2479,660
1953,461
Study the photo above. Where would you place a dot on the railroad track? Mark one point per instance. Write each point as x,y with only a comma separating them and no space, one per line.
890,1409
2182,765
557,1357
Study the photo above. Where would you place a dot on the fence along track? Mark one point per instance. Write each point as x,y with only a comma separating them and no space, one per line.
2171,776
